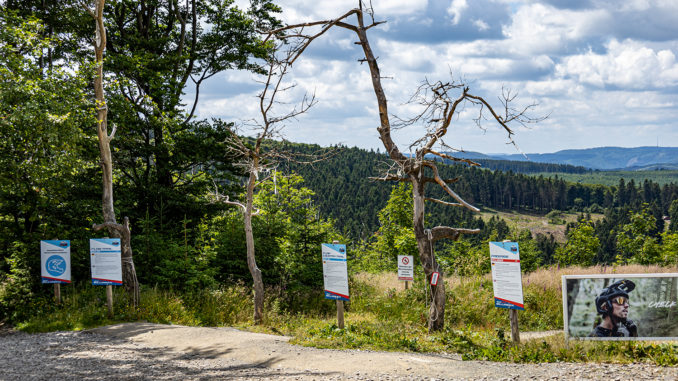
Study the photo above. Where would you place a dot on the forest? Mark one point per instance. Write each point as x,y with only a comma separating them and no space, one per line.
168,165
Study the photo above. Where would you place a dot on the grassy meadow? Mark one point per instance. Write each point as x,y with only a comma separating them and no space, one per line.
611,178
536,223
381,315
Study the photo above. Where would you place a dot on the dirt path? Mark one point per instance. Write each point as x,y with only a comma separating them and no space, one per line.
138,351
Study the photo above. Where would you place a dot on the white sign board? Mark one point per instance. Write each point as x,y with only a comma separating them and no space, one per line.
405,267
55,261
506,276
105,261
335,272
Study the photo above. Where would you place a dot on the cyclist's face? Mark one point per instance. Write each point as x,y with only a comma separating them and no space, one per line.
620,307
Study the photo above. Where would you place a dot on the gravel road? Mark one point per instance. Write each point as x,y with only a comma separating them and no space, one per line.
142,351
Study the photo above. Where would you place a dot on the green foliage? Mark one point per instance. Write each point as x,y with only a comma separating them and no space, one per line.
669,249
42,110
465,259
530,255
395,235
634,242
581,247
288,233
288,207
555,217
673,216
16,291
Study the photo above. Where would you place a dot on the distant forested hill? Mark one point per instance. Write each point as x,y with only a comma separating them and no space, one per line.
604,158
529,166
345,193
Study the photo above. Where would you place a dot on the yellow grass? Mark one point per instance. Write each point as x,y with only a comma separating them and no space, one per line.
549,277
535,223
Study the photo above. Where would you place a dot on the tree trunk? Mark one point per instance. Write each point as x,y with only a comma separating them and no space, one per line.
115,230
436,316
251,261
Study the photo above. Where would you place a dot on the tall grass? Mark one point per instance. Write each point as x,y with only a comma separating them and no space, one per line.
381,315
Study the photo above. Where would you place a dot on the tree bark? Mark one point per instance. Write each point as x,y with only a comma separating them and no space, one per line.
251,260
436,318
115,230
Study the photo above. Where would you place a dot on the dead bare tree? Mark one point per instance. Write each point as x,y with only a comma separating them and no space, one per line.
115,229
441,103
259,159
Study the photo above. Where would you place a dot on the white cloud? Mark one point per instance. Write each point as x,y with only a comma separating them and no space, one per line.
618,93
538,28
627,64
481,25
303,10
456,9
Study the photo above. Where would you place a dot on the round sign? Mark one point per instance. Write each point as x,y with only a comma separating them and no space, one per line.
55,265
405,260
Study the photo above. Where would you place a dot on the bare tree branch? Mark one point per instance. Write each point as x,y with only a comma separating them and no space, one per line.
447,189
442,232
443,202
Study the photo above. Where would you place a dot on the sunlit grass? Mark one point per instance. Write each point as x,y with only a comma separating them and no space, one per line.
381,315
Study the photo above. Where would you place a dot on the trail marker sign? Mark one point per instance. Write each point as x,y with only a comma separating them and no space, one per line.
335,271
405,267
55,261
506,276
434,278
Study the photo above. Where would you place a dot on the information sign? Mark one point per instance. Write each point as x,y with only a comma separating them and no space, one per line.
434,278
335,272
105,261
405,267
506,276
55,261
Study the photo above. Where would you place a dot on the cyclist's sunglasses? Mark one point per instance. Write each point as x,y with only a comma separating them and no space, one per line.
620,300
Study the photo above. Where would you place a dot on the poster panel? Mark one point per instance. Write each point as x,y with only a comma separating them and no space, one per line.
405,267
621,306
335,271
55,261
105,261
506,276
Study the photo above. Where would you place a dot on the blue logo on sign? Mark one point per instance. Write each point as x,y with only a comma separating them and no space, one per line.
55,265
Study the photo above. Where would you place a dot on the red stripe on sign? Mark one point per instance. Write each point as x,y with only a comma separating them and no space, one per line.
510,302
506,260
109,280
60,280
338,294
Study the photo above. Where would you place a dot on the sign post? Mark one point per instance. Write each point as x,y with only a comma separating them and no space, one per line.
507,281
406,268
106,265
335,276
55,264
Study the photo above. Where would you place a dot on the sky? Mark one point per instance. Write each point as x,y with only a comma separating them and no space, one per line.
603,72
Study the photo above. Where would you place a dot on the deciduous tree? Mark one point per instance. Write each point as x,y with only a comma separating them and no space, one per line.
440,102
259,160
122,231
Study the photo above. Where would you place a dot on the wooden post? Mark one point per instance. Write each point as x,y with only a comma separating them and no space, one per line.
515,333
57,293
109,299
406,285
340,305
340,314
